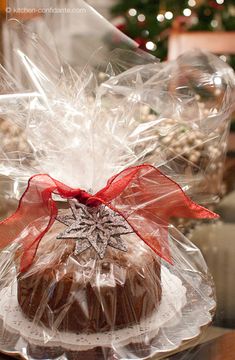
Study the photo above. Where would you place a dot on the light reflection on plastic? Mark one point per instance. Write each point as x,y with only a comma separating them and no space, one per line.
217,80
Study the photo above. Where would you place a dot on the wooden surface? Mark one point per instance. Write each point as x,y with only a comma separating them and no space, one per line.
3,5
218,42
222,348
231,142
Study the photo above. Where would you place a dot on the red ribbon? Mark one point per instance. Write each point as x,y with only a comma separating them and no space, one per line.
145,197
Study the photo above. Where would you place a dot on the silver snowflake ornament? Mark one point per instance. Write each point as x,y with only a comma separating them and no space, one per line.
97,227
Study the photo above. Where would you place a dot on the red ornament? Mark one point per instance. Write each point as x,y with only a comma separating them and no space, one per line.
215,5
121,27
141,41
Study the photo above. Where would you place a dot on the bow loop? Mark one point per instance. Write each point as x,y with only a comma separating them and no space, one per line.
142,195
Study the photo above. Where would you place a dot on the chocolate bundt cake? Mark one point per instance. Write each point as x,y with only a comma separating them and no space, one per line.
84,293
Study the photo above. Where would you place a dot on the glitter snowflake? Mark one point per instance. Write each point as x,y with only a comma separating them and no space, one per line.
97,227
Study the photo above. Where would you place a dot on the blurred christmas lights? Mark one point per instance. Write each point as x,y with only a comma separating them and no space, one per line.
187,12
169,15
151,46
192,3
132,12
160,17
141,17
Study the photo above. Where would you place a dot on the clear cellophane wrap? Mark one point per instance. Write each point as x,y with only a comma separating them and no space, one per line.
119,109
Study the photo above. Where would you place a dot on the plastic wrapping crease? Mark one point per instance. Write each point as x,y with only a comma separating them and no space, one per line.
82,127
173,115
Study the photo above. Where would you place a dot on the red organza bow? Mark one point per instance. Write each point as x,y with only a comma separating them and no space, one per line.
145,197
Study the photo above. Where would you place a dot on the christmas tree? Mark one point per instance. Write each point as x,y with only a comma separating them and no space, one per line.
149,22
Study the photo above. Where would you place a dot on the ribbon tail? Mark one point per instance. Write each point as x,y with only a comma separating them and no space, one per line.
157,238
33,218
149,228
30,245
189,209
147,199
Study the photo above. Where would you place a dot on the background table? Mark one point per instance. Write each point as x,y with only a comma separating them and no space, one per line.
221,348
